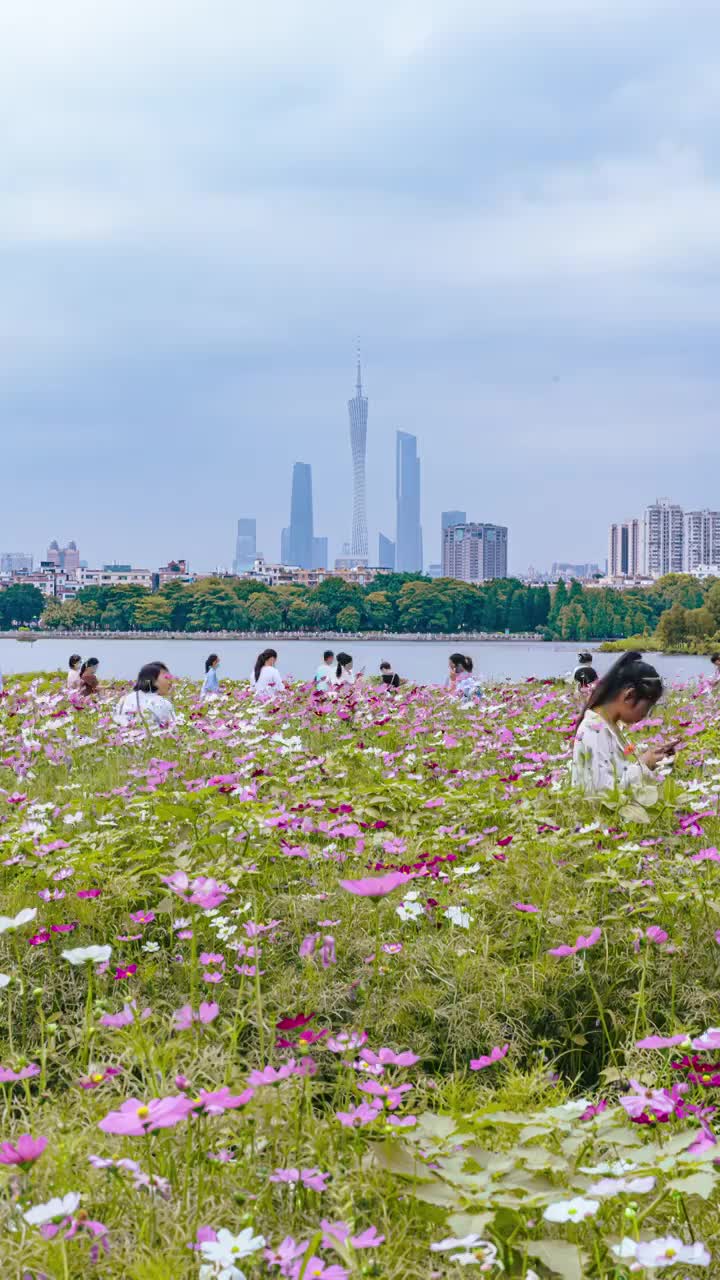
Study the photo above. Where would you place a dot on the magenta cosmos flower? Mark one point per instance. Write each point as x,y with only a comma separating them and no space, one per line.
207,1012
136,1118
489,1059
26,1150
581,944
376,886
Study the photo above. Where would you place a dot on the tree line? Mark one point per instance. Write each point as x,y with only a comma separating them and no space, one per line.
677,608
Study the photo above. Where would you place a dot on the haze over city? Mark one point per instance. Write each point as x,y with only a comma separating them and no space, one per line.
515,206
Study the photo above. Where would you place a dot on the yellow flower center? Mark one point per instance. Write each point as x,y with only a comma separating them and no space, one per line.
142,1112
97,1077
670,1253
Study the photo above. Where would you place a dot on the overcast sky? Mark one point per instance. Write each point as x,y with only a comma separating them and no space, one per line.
514,203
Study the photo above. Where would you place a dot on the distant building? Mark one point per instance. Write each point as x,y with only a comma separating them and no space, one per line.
52,555
434,571
626,549
301,516
67,559
475,552
15,562
408,540
245,544
173,571
280,574
663,536
568,572
701,549
320,553
358,414
386,552
447,520
115,575
285,546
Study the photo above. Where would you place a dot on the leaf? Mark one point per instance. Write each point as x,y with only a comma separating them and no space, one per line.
436,1126
559,1256
397,1159
466,1224
435,1193
696,1184
634,813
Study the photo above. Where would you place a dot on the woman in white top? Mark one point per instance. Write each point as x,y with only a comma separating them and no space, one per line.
266,679
603,759
148,703
343,674
73,675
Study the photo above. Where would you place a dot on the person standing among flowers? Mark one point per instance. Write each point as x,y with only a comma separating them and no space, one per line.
603,758
148,702
211,683
266,679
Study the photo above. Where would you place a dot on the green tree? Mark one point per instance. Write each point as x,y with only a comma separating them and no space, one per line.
153,614
379,610
559,600
263,612
700,623
348,619
672,628
21,603
59,615
516,614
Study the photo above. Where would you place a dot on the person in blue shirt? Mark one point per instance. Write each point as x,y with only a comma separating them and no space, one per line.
211,683
324,672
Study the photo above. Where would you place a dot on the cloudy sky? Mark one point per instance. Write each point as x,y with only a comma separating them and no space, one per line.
514,203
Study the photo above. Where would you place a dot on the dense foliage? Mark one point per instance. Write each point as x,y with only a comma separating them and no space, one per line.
210,1038
688,611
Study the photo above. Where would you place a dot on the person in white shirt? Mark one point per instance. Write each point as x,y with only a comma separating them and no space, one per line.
266,679
73,675
323,675
148,703
603,759
344,674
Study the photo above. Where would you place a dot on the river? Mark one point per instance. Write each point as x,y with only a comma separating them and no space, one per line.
423,661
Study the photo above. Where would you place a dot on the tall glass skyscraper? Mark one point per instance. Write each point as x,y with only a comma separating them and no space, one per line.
408,542
358,412
301,517
386,552
245,545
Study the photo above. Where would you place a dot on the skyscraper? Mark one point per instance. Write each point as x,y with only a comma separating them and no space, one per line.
663,538
15,562
447,520
358,412
320,553
475,552
625,549
245,545
408,541
386,552
285,546
702,540
301,517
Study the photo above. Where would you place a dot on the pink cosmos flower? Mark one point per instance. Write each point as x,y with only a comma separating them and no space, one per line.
211,957
87,893
642,1100
38,939
388,1058
660,1042
8,1076
525,906
286,1254
142,917
125,1018
316,1269
203,891
99,1077
655,934
580,944
335,1233
126,972
376,886
207,1012
64,928
391,1094
311,1178
136,1118
488,1059
214,1104
710,1039
25,1151
272,1075
361,1115
346,1041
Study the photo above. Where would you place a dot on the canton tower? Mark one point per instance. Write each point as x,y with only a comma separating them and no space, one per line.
358,412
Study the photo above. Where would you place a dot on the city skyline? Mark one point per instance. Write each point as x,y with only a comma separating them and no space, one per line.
528,257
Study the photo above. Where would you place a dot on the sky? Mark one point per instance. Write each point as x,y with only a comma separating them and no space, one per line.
514,204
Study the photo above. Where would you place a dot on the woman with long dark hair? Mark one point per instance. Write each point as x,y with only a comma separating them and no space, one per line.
88,682
266,679
603,758
211,684
343,674
73,675
148,702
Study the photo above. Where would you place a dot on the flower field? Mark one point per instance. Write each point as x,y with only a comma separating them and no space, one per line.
354,987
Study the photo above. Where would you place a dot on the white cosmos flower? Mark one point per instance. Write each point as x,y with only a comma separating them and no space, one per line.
575,1210
669,1251
622,1186
409,911
80,955
457,916
72,819
223,1253
457,1242
5,980
55,1208
14,922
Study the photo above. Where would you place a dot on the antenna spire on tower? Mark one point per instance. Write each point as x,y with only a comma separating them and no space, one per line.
358,385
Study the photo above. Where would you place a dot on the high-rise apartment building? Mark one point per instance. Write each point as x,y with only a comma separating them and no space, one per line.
475,552
67,559
245,545
301,517
447,520
358,412
701,540
53,554
663,535
386,552
625,549
408,540
320,553
15,562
